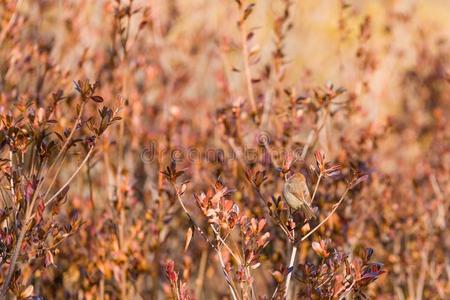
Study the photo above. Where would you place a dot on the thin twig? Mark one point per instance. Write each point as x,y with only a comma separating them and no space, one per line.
71,177
63,149
248,75
11,164
191,220
12,265
267,108
227,278
219,238
11,22
28,216
313,135
48,202
290,268
294,249
121,201
317,186
275,292
348,290
329,215
201,274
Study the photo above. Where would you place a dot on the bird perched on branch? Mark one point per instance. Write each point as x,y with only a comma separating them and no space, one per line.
297,195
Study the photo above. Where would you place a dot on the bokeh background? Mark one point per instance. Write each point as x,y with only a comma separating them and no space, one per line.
182,66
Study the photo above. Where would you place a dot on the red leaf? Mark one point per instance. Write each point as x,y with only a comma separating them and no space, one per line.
97,99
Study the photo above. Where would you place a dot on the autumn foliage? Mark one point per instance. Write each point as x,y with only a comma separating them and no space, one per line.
145,148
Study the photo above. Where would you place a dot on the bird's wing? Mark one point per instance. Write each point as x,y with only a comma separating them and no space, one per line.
304,196
307,196
299,196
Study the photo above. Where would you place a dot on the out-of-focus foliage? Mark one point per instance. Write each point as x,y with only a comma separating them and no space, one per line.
145,146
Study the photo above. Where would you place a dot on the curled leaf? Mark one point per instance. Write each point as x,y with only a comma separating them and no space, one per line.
357,181
96,98
189,235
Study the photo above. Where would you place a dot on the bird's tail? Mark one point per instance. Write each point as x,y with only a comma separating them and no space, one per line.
309,212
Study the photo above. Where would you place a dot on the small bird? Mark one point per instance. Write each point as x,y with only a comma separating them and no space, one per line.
297,195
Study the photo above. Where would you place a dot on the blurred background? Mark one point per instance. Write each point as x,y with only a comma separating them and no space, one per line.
175,67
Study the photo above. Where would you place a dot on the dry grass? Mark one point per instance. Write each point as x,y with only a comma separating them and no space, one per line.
144,147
